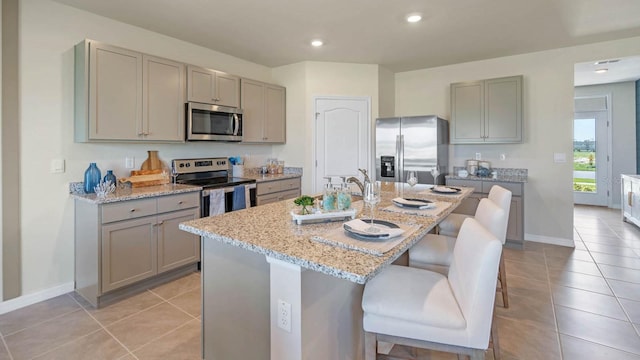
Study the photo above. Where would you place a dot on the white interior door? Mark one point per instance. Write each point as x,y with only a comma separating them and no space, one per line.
591,180
342,138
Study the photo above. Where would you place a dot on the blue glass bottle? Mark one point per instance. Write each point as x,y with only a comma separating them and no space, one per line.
91,178
110,177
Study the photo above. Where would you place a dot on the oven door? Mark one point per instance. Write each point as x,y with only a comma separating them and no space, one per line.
228,197
213,123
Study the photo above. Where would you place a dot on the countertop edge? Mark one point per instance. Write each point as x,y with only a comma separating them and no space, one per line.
93,199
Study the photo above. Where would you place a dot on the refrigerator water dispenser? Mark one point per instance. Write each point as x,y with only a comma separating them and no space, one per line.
387,166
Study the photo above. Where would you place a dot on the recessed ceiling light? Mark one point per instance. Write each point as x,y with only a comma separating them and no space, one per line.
316,43
413,18
601,71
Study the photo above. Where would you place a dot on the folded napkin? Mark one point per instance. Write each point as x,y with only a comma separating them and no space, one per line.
438,208
362,228
415,204
445,189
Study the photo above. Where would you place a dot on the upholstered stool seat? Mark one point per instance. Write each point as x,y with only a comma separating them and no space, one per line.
433,252
450,225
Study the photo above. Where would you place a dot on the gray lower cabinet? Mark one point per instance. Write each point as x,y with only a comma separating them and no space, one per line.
130,244
277,190
515,229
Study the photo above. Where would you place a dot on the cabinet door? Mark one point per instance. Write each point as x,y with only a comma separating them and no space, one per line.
503,110
201,85
115,93
467,113
252,101
176,247
627,197
227,90
516,220
274,119
469,205
164,98
129,252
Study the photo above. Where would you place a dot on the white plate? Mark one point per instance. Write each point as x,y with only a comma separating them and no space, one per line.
414,203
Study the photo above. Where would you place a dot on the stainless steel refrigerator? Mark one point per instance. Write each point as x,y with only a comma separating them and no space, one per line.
412,143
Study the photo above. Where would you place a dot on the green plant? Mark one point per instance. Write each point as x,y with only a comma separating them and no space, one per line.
304,201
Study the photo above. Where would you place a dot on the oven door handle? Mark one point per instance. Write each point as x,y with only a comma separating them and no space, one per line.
227,189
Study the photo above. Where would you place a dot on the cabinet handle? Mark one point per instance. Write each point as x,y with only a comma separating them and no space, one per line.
630,197
180,202
132,210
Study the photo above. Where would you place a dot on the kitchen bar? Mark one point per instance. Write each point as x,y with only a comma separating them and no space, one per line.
255,266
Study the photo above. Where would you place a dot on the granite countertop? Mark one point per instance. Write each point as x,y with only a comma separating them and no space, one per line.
124,194
269,230
502,174
289,173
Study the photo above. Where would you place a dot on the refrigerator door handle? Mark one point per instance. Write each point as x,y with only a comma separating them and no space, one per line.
396,176
401,160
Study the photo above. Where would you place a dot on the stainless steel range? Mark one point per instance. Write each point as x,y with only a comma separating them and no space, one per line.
212,174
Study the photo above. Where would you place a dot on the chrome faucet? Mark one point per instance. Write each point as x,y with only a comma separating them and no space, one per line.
357,181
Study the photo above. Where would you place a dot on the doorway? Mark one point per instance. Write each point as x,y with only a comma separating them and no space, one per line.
342,137
591,179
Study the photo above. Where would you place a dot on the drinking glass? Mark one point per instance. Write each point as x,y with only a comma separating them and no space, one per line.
174,174
412,179
435,173
371,197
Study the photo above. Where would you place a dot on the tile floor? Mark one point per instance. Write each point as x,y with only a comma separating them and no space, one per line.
581,303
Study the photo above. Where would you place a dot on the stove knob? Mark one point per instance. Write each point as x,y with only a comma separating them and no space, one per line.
188,165
181,165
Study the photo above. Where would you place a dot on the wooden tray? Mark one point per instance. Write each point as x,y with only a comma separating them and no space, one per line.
142,178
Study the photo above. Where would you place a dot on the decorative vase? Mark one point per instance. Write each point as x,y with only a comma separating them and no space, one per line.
153,162
91,178
110,177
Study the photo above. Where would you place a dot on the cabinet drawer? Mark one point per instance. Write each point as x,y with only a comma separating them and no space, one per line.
266,199
476,185
268,187
291,194
515,188
290,184
178,202
128,210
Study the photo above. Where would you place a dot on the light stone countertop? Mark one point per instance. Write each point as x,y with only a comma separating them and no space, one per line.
503,174
137,193
269,230
270,177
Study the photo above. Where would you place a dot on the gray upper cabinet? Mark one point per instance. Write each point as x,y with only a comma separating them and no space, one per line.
264,115
212,87
164,98
123,95
487,111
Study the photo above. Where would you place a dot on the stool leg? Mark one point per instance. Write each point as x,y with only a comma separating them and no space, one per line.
494,338
370,346
503,282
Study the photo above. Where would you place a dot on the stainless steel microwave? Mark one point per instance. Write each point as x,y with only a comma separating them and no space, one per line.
207,122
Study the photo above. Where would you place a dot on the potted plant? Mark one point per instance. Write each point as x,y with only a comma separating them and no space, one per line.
304,201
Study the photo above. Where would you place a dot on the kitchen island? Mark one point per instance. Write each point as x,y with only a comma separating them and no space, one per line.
258,265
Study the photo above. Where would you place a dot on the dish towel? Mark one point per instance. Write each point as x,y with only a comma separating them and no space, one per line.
239,198
216,202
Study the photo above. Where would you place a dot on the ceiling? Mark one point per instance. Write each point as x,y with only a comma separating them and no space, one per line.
278,32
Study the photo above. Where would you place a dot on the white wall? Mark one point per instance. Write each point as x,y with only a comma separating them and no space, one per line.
49,31
623,129
319,79
548,118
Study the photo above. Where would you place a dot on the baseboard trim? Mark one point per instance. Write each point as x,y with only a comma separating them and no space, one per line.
30,299
549,240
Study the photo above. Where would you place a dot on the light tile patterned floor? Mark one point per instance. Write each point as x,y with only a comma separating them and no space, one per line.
581,303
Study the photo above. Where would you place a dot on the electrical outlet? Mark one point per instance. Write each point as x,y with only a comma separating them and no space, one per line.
57,166
129,162
478,156
503,156
284,315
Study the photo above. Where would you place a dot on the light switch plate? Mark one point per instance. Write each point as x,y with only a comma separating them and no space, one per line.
129,162
57,166
559,157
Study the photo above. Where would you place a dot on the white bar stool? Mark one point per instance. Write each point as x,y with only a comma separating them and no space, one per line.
421,308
